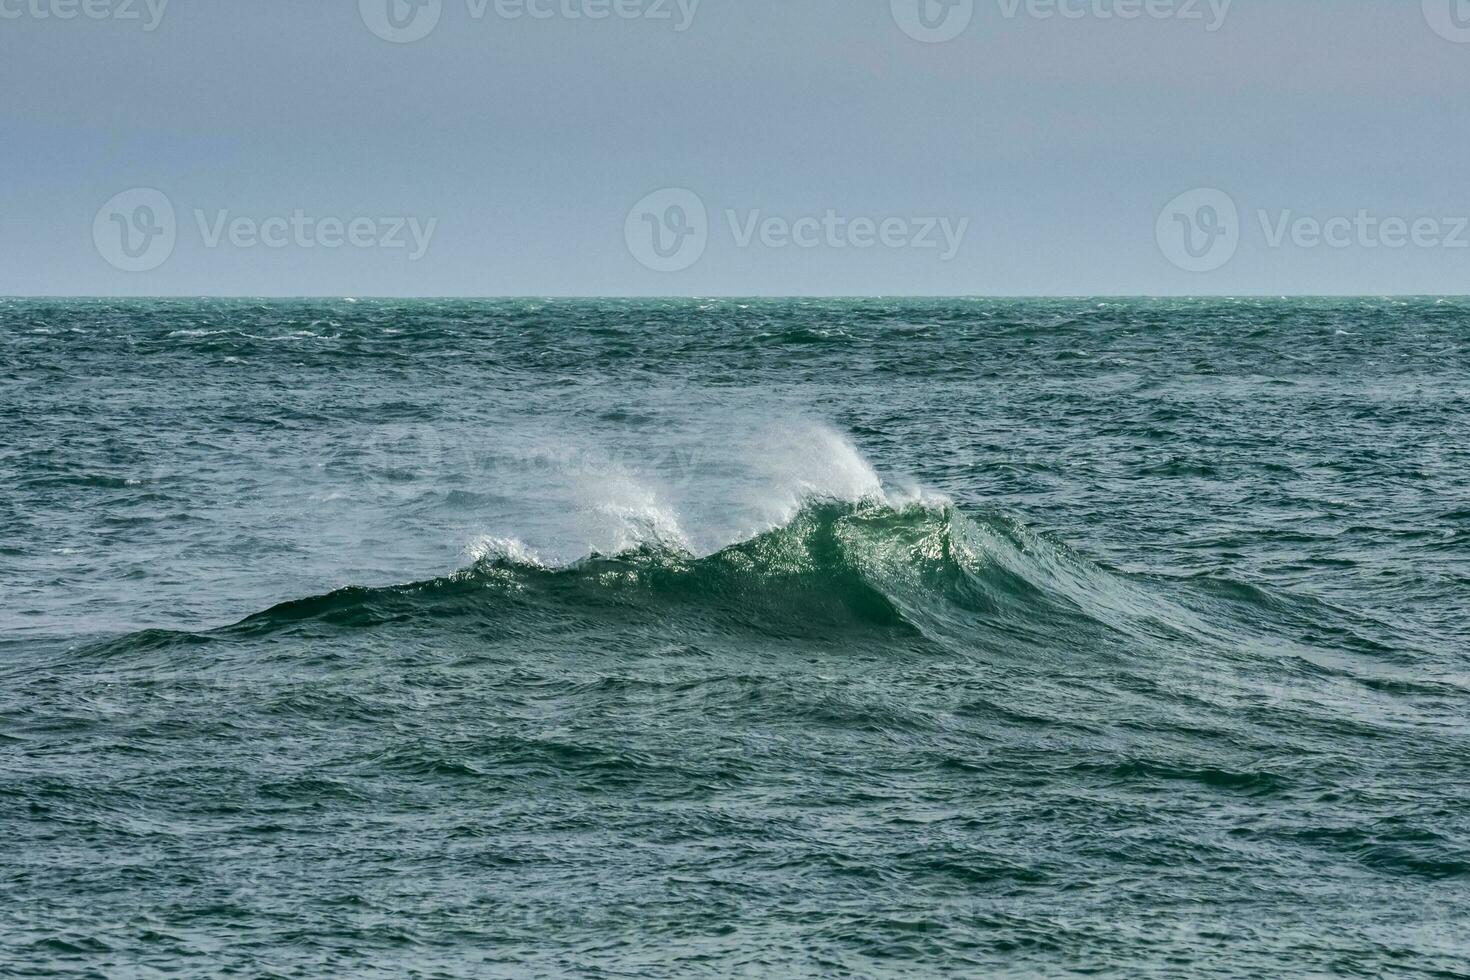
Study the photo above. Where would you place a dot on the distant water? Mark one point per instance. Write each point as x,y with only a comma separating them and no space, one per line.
709,638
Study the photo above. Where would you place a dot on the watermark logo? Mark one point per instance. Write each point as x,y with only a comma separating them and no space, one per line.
1210,13
406,21
668,230
136,231
147,13
306,231
1450,19
401,21
1199,231
406,461
936,21
835,230
399,461
933,21
1364,230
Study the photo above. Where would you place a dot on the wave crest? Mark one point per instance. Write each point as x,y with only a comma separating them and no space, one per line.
920,568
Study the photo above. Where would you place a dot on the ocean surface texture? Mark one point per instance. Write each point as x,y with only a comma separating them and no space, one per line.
758,638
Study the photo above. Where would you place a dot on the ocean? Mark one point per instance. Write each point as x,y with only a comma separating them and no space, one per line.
778,638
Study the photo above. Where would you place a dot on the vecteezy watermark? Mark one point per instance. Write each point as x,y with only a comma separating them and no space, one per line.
834,230
148,13
1364,229
144,693
933,21
301,230
1210,13
406,21
936,21
669,230
401,21
1450,19
137,231
403,461
1201,230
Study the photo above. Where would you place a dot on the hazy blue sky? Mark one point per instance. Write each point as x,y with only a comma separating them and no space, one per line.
519,146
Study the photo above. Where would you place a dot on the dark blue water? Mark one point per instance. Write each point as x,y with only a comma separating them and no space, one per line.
709,638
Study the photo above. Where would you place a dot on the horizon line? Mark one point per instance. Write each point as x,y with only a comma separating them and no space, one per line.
693,297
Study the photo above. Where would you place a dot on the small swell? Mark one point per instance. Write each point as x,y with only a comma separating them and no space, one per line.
919,575
923,571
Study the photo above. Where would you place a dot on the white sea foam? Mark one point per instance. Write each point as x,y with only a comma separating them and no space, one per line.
513,550
724,481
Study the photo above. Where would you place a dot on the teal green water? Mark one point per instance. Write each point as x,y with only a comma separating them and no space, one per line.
709,638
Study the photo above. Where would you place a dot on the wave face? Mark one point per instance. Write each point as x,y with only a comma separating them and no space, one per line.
919,574
792,637
839,571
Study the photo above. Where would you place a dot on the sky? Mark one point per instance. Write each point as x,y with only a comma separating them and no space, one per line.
734,147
